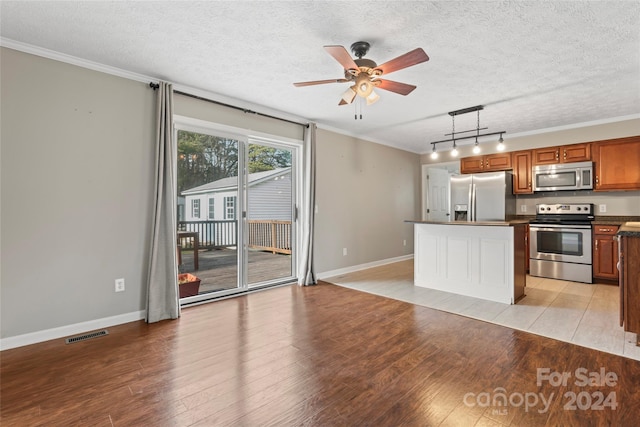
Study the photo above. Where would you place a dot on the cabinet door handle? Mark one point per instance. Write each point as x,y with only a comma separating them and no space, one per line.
557,155
596,245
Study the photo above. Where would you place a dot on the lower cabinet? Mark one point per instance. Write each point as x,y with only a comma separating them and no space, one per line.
605,252
630,284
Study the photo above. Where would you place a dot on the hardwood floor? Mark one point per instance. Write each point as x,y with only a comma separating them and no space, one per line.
319,356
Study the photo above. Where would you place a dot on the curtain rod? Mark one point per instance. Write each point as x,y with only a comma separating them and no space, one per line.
155,86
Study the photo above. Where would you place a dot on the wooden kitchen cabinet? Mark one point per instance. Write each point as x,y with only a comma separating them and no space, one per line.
472,164
630,284
487,163
605,252
617,164
562,154
522,172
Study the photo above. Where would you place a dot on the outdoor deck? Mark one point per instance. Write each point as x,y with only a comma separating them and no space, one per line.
218,267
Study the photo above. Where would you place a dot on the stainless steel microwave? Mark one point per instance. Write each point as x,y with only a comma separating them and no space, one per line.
564,176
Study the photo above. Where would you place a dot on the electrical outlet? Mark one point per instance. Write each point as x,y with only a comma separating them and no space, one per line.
404,243
602,208
344,251
523,208
119,285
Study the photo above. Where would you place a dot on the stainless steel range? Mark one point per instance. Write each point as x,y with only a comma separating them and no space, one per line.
560,242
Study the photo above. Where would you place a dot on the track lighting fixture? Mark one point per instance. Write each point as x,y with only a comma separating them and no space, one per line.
454,139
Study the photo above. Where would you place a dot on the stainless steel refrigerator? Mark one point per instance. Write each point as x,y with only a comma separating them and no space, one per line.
484,196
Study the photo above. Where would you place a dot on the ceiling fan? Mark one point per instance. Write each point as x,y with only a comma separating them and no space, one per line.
365,74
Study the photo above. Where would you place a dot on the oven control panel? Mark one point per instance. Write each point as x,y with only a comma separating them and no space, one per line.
565,208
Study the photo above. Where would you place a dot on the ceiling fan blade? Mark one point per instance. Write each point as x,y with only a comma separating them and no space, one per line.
401,88
342,56
414,57
319,82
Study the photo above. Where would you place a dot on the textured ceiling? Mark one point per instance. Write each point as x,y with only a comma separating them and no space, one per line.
533,65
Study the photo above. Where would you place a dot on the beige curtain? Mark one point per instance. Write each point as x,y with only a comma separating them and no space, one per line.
162,288
306,273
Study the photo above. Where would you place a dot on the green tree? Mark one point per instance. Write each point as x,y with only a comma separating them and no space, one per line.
262,158
205,158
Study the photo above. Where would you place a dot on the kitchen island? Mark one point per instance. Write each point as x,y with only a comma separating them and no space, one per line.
480,259
629,280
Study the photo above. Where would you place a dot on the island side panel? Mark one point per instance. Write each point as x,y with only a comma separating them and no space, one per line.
475,261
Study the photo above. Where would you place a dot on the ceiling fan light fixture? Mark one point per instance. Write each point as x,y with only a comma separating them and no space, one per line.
363,85
349,95
372,98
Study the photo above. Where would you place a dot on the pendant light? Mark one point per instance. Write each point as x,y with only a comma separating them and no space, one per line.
500,144
454,150
476,147
434,153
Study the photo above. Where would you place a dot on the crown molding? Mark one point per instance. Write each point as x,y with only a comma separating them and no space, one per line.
73,60
574,126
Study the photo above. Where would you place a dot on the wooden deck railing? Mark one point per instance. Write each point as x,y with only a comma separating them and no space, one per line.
267,235
270,235
212,234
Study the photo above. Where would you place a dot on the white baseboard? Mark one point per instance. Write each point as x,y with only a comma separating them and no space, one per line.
65,331
359,267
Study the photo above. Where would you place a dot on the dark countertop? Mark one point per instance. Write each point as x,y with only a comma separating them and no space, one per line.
629,230
525,219
614,220
508,223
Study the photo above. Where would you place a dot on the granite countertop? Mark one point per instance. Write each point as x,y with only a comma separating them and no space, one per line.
630,229
507,223
614,220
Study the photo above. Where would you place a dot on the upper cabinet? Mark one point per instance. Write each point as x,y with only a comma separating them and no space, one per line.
486,163
522,172
617,164
563,154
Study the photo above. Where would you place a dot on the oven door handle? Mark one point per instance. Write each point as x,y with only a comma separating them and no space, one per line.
559,227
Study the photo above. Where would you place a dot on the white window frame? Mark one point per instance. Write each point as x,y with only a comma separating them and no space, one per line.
195,208
230,210
212,205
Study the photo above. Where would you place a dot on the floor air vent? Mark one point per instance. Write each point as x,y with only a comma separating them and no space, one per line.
87,336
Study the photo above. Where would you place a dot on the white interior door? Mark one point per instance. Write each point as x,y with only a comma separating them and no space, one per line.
437,195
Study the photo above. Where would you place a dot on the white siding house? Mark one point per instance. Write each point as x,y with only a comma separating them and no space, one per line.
269,198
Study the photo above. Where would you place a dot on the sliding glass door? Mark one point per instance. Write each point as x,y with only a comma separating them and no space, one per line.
270,213
236,205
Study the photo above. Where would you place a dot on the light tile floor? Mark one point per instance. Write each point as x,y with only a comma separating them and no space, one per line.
578,313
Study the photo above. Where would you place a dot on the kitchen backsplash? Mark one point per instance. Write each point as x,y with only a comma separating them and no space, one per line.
619,203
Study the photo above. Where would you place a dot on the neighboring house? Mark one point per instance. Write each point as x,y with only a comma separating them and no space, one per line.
269,198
